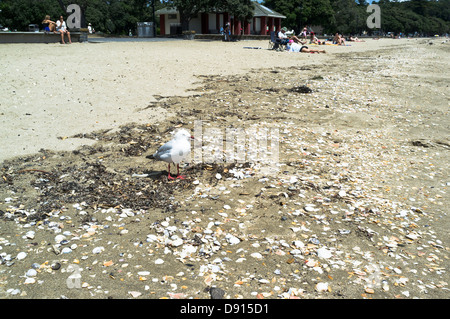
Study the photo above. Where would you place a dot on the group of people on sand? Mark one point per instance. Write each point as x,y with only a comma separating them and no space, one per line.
340,40
294,44
297,43
57,27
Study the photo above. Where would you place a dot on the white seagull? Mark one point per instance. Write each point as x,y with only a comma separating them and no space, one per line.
175,151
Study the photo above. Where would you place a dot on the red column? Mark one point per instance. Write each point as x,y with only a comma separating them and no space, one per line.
278,24
246,27
237,27
162,24
263,26
270,24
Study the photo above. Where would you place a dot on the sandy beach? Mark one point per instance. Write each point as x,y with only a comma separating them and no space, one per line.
51,91
358,206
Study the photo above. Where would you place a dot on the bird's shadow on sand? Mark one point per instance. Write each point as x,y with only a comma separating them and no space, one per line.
156,175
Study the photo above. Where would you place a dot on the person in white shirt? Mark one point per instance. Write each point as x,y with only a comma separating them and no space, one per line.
91,29
62,29
285,39
295,47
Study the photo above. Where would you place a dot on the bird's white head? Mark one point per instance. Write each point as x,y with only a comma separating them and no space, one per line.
183,134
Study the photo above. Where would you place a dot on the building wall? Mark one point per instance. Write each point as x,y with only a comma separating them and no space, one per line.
257,24
196,24
212,23
256,27
169,22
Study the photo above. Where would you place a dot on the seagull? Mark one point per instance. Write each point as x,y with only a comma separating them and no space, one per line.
175,151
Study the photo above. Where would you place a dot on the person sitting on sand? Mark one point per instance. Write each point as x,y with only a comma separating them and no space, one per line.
338,39
313,39
295,47
62,29
285,39
49,25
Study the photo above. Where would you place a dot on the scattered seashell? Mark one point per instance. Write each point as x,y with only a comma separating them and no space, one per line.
31,273
369,290
233,240
322,286
66,250
135,294
323,253
30,234
59,238
98,250
21,255
144,273
256,255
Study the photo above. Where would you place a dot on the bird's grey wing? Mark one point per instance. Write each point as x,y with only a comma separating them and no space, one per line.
163,150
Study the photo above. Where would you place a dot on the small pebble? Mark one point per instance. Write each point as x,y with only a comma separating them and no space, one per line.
56,266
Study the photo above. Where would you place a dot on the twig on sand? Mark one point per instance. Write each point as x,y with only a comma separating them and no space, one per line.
34,170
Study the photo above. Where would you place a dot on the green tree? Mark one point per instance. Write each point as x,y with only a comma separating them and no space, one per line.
18,14
317,12
349,17
303,12
188,9
240,9
289,8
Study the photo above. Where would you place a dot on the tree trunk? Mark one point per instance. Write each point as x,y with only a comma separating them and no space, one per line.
184,19
61,4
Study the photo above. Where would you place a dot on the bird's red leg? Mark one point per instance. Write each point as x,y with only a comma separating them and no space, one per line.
168,176
178,172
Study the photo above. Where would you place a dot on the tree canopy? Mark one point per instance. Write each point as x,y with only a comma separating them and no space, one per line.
108,16
349,16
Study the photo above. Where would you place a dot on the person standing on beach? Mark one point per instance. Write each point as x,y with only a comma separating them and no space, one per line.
91,28
227,32
62,29
304,32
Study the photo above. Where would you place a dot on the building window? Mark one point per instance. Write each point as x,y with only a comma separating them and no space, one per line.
172,16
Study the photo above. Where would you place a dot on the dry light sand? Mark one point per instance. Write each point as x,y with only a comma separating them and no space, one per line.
357,209
51,91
